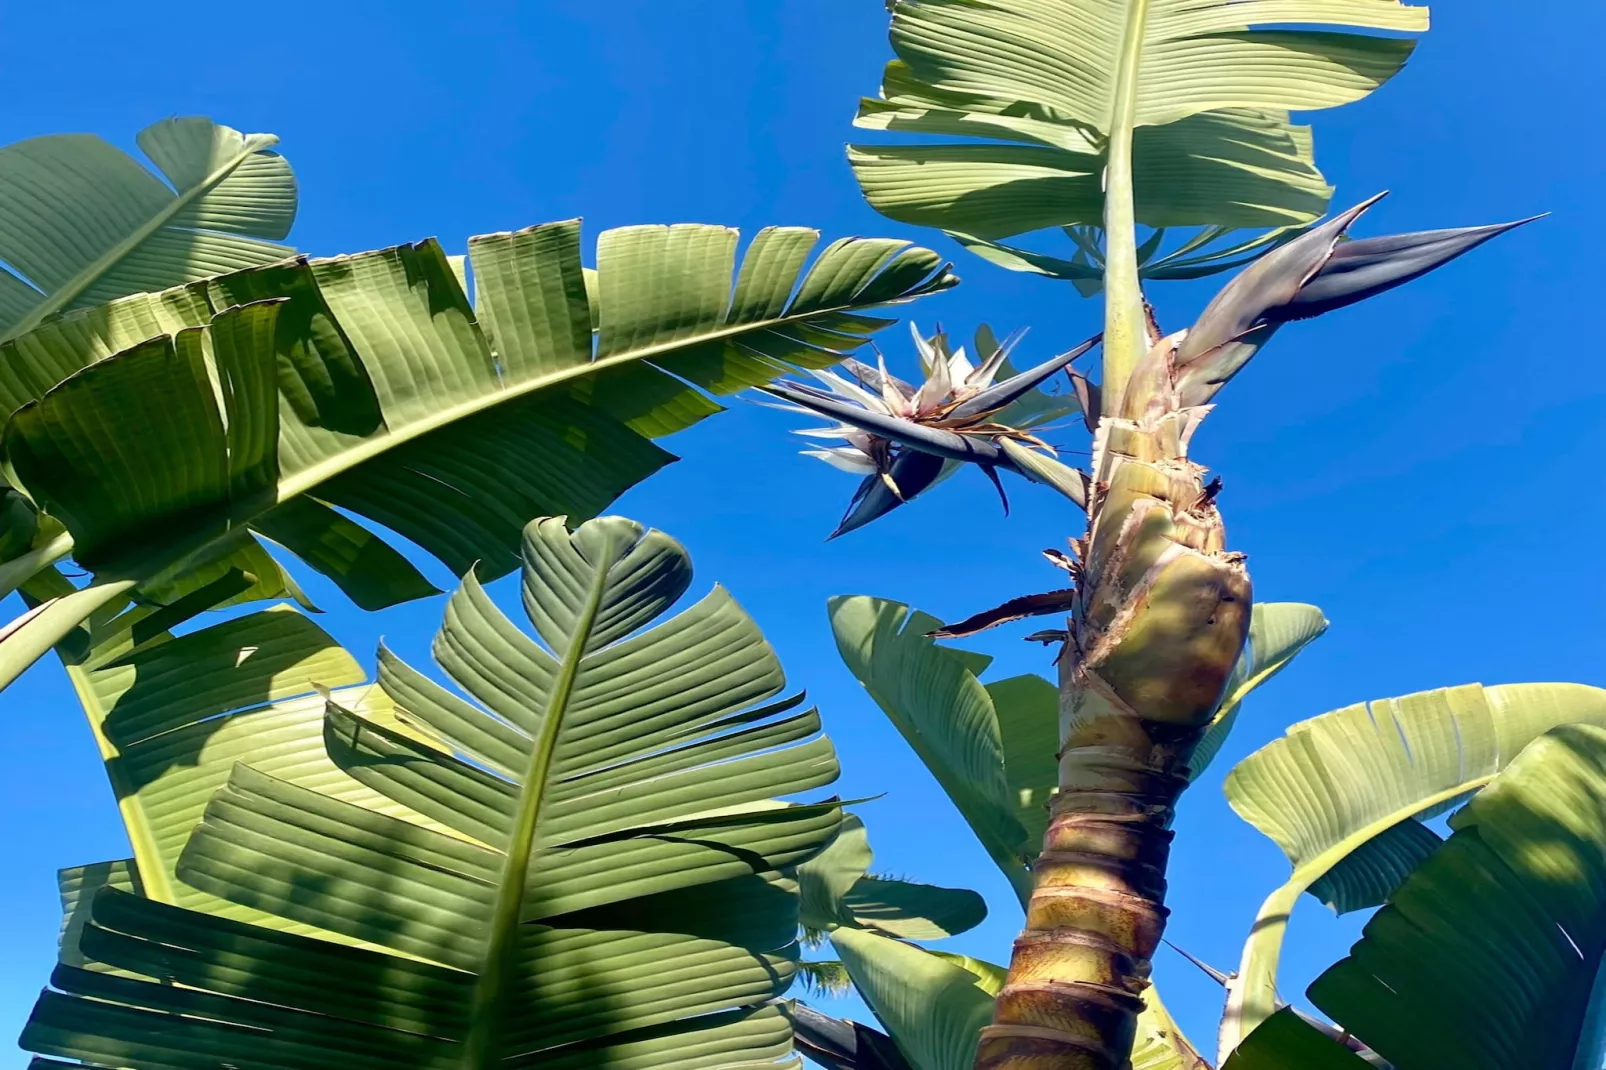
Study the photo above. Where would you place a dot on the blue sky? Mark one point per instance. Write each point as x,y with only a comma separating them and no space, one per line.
1425,467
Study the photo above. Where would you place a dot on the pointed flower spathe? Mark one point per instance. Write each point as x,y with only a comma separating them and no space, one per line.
1317,272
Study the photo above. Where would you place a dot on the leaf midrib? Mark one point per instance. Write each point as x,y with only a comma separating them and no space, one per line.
485,1017
367,449
67,294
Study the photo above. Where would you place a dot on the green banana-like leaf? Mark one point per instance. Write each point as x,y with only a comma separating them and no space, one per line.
172,715
1286,1042
1037,88
919,995
933,1008
1278,631
837,890
615,887
1365,775
826,879
1487,956
81,222
1265,177
933,697
370,383
1027,708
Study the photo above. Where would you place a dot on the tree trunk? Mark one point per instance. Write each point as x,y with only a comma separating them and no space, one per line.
1161,614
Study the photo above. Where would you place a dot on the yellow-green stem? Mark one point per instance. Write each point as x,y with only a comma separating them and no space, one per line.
1252,992
24,566
1125,339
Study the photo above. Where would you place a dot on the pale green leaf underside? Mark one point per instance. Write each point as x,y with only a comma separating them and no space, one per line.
1237,169
1030,85
1367,875
1337,783
582,753
1487,956
1340,774
1061,55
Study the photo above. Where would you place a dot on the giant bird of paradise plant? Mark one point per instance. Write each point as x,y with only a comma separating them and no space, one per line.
1098,117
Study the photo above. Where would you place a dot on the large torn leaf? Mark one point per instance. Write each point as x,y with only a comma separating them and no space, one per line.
369,383
615,886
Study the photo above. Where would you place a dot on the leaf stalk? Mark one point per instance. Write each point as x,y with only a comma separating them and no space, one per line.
1125,340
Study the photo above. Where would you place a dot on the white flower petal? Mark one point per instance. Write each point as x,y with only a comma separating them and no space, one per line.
983,376
933,390
928,355
894,392
842,431
852,391
845,458
959,367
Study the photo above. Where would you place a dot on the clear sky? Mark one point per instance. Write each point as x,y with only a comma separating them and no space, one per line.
1426,468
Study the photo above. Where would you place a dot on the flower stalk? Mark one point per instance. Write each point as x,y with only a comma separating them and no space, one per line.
1159,617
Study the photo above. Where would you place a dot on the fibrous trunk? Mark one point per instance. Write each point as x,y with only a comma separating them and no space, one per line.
1161,614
